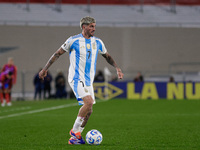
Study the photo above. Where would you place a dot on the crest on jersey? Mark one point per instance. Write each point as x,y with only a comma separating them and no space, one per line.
94,46
88,46
82,47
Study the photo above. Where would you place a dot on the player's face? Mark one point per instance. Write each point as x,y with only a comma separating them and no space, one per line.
90,29
10,62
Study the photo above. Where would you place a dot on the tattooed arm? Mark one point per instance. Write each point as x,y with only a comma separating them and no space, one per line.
111,61
52,59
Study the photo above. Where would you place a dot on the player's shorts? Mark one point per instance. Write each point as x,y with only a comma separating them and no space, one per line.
6,86
81,90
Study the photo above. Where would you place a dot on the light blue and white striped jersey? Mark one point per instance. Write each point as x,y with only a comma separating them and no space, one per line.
83,57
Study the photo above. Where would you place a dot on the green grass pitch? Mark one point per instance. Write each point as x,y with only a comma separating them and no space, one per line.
124,124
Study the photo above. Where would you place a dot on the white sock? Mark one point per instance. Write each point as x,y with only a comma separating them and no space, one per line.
77,124
81,129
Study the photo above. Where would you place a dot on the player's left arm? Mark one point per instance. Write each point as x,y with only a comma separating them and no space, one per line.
111,61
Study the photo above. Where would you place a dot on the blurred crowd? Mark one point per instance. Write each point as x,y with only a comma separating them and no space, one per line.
43,89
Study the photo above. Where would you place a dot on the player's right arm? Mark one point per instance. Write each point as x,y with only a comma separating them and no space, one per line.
52,59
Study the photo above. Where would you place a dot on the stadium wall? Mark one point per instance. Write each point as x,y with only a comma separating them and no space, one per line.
118,2
134,49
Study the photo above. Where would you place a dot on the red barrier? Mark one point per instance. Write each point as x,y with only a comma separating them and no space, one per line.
117,2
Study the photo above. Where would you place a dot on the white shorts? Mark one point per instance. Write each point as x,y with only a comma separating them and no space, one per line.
81,90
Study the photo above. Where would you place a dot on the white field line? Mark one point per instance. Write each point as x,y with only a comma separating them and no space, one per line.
16,109
39,110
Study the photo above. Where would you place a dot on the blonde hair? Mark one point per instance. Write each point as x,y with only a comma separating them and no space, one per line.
87,20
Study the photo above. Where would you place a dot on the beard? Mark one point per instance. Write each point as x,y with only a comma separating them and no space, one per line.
90,33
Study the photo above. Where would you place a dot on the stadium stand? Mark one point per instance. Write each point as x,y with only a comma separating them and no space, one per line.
119,2
51,14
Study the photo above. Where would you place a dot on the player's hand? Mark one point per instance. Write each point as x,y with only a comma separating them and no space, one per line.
119,73
42,74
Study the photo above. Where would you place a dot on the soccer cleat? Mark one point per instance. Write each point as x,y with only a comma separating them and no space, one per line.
74,141
9,104
2,104
76,136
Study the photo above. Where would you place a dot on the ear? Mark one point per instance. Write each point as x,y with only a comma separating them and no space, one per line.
84,26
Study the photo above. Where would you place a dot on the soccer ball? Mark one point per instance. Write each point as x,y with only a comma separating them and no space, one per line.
94,137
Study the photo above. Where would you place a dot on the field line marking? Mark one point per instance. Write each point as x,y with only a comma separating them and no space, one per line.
39,110
16,109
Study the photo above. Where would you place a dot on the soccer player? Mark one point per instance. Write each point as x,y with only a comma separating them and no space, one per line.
5,87
83,50
10,67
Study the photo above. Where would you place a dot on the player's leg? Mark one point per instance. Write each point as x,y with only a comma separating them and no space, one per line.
81,121
36,92
44,93
1,95
84,113
91,91
84,98
39,93
87,100
7,94
85,121
49,92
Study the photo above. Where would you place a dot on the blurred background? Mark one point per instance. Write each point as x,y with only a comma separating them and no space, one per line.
158,39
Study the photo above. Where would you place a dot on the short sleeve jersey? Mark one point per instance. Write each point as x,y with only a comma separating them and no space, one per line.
4,79
11,68
83,57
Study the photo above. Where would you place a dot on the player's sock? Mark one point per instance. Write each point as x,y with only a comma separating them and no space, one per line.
81,129
7,96
1,98
77,124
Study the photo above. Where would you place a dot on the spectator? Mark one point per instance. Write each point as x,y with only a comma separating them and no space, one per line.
138,78
47,85
171,79
60,83
99,77
39,85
